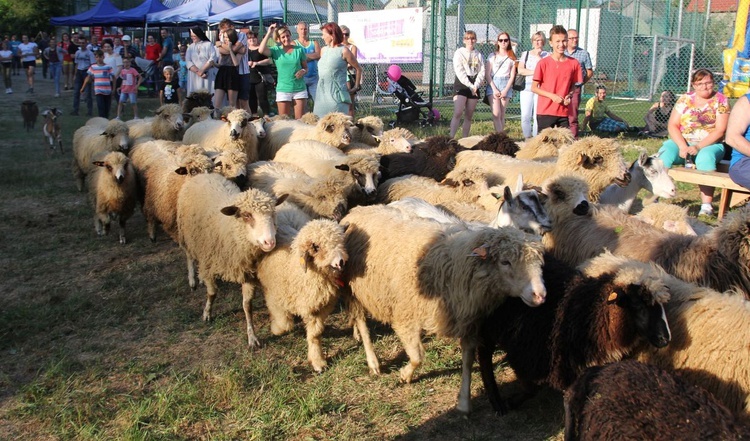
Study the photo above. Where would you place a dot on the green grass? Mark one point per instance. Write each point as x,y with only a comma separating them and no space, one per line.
100,341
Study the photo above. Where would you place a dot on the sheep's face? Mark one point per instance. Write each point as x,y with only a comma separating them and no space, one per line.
116,165
174,121
325,199
514,263
600,166
646,315
567,193
340,131
259,227
239,123
120,138
324,250
231,164
397,144
367,181
469,183
259,124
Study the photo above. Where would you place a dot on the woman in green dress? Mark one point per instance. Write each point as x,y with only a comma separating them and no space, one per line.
333,95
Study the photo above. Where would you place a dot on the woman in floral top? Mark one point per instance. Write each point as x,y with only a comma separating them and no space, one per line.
696,128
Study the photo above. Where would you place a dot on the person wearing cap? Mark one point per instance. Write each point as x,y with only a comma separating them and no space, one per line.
170,89
128,48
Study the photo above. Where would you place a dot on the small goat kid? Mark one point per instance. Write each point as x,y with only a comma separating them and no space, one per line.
51,129
29,112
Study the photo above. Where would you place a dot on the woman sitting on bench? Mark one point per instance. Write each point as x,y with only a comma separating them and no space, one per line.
738,136
696,130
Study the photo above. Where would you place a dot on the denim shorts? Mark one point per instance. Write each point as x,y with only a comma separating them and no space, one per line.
500,83
128,97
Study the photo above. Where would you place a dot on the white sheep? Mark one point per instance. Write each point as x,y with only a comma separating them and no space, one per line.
669,217
333,129
470,141
167,123
597,160
112,192
163,180
710,334
232,132
546,145
465,184
196,115
225,231
91,140
647,172
317,197
398,140
301,277
445,280
367,131
320,160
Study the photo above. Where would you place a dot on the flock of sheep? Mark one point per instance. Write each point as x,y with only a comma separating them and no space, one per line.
528,250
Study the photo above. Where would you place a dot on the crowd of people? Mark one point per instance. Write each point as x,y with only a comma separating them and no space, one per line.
238,69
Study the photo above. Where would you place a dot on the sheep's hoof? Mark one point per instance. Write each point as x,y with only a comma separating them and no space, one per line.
406,375
123,241
206,316
253,342
152,239
375,370
319,366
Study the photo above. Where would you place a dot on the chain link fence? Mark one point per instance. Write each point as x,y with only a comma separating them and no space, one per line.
639,48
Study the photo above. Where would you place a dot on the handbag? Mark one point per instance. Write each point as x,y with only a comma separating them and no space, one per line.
269,80
519,83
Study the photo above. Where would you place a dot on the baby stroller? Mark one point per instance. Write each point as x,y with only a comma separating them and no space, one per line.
412,106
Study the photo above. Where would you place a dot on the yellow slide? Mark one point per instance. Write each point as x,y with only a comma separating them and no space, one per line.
737,68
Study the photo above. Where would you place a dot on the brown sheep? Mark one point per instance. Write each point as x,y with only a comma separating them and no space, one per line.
29,112
547,144
112,192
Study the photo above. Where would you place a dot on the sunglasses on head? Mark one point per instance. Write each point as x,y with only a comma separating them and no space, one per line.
346,34
503,40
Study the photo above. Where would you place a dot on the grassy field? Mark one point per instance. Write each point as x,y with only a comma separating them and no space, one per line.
104,341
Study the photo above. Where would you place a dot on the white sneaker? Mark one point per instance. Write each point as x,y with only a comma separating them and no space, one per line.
9,90
57,95
706,211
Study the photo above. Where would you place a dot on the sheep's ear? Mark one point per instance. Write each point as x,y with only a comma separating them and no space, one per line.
497,196
218,164
58,112
585,160
342,167
481,251
98,163
280,200
328,128
230,210
181,171
45,113
360,126
519,183
448,182
614,295
224,118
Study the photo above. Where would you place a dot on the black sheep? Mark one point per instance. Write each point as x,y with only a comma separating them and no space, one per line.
433,158
584,321
630,400
498,143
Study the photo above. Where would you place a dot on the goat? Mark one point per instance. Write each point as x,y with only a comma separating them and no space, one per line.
29,111
51,129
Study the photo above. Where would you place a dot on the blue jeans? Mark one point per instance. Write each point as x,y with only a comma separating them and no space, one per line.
80,76
55,72
705,160
312,86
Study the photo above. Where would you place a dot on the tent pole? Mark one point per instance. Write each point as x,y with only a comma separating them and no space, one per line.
260,19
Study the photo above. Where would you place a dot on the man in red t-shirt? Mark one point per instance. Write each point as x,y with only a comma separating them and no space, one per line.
153,52
555,79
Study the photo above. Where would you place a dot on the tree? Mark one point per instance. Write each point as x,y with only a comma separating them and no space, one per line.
28,16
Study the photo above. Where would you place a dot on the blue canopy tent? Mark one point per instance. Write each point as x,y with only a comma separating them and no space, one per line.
103,13
273,10
137,16
194,12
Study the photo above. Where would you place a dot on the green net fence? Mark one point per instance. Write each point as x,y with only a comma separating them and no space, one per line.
638,47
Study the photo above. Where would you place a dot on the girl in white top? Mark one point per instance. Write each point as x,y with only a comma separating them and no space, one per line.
468,65
112,58
526,65
500,72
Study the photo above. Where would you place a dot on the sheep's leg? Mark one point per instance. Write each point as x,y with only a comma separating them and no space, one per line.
315,326
78,176
151,228
357,315
484,354
98,225
468,349
191,271
412,341
122,231
248,289
281,321
210,297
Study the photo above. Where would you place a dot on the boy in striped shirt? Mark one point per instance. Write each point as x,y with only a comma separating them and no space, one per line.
102,75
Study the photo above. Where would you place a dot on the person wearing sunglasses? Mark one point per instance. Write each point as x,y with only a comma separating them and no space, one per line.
468,65
500,72
696,130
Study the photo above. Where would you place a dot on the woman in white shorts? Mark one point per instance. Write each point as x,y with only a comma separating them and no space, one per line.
291,65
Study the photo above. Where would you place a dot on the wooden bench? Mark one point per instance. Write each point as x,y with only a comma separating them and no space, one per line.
731,193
